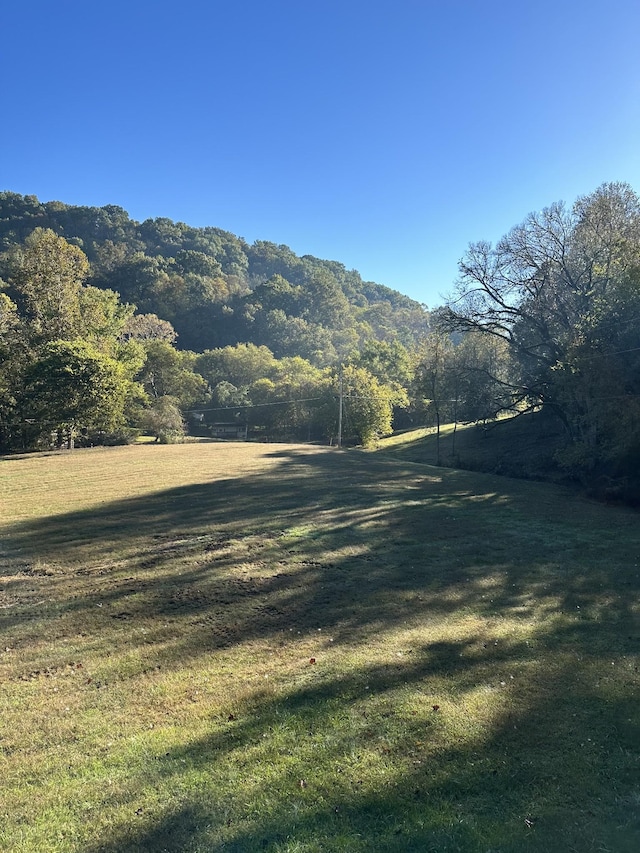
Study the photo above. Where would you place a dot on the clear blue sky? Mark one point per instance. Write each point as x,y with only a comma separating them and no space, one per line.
385,135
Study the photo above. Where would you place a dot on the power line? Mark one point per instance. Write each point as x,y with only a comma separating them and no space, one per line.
251,405
281,403
607,354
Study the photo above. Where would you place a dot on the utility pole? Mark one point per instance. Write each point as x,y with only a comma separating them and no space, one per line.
340,411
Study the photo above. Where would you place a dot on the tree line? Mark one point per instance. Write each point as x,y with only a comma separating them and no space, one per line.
109,327
81,366
78,365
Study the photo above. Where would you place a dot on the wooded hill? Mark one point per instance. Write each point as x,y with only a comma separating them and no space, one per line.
218,290
109,327
546,320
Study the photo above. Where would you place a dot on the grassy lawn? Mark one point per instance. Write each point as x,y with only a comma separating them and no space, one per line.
212,647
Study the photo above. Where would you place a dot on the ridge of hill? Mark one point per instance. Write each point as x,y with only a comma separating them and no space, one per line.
216,289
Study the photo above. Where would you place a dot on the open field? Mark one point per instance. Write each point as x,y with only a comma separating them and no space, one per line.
211,647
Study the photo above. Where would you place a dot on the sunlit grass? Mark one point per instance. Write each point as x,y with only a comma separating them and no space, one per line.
241,647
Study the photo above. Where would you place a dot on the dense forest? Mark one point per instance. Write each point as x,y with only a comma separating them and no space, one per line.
186,326
217,290
109,327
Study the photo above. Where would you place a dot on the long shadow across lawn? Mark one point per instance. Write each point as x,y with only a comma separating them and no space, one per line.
357,546
501,793
340,541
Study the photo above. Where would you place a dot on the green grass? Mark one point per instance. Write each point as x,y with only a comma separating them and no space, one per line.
212,647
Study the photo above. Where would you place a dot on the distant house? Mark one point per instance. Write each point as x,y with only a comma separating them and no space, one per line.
230,431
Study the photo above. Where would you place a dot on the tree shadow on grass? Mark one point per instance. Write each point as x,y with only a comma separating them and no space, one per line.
173,832
359,547
499,790
341,542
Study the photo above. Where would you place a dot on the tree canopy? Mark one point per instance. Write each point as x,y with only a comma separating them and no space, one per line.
94,321
562,292
214,287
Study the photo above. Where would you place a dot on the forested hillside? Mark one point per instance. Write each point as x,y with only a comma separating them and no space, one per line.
109,327
218,290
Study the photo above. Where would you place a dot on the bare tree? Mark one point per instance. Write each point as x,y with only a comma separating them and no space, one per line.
543,286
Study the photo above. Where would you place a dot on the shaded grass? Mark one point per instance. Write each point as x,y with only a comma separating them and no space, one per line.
522,446
475,648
